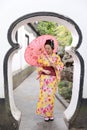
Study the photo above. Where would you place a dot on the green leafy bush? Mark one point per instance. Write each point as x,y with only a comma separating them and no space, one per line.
63,36
46,27
65,89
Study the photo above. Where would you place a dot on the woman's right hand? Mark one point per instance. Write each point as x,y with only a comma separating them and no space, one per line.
46,71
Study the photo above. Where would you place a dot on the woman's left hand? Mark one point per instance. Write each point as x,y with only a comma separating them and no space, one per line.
53,65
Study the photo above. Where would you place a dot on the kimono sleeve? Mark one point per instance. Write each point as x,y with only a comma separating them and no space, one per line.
59,64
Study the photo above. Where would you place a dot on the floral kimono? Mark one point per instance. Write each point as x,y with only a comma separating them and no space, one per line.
48,84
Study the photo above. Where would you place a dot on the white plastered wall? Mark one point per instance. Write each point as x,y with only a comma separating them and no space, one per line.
18,61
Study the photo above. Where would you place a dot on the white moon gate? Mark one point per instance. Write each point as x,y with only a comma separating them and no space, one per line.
76,113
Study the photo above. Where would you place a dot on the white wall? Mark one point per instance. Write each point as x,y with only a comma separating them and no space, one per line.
12,10
18,61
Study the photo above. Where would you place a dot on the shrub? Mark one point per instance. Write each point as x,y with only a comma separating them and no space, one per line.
65,89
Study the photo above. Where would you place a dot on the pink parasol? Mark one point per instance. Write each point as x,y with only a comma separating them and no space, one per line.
36,48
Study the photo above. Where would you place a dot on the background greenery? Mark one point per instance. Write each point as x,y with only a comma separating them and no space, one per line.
65,89
62,34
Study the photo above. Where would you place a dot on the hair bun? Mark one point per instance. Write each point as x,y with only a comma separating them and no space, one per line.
52,44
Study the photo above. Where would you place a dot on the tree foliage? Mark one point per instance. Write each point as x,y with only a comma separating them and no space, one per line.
62,34
45,27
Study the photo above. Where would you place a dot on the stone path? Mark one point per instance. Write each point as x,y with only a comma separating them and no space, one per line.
26,96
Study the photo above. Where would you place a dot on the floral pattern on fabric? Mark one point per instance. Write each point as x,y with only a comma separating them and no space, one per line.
48,86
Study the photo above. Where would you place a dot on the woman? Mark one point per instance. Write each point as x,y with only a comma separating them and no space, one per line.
49,72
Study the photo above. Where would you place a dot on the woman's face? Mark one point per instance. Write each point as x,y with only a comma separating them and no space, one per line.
48,49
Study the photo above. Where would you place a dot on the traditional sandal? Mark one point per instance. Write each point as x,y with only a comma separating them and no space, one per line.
51,118
46,119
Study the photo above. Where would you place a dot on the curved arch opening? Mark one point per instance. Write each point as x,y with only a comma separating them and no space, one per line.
77,38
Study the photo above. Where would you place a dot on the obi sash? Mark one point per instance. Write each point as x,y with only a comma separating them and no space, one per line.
51,69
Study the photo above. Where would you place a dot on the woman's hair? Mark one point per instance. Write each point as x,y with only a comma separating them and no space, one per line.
50,42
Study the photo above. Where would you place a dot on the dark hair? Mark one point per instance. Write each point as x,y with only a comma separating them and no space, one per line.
50,42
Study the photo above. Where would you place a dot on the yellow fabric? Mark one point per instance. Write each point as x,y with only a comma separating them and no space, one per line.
48,86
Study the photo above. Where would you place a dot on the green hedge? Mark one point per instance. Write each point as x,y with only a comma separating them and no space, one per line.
65,89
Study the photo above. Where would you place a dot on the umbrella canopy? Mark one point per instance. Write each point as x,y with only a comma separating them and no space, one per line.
36,48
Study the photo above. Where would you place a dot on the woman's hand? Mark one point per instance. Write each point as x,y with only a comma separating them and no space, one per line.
53,65
46,71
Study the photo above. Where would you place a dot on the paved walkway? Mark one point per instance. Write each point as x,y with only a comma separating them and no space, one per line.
26,96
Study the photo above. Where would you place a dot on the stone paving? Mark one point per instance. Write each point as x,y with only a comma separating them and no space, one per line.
26,96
